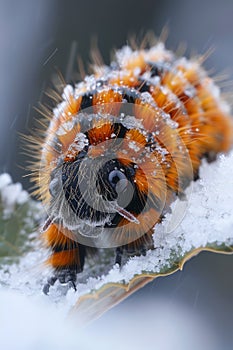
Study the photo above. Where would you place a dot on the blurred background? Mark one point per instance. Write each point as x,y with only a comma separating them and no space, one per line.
36,38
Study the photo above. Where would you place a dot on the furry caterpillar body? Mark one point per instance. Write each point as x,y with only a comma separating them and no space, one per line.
120,148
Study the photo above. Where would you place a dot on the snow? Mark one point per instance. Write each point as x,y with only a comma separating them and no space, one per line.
26,324
123,55
65,128
131,122
59,110
11,194
81,141
36,324
155,80
147,98
68,91
5,180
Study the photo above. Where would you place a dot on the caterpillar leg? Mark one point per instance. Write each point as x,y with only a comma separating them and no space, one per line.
137,247
119,254
67,257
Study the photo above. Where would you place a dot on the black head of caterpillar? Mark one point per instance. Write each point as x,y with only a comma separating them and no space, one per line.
103,198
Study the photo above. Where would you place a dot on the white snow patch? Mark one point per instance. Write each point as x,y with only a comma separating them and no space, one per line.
5,180
11,194
124,54
67,92
65,128
147,98
35,323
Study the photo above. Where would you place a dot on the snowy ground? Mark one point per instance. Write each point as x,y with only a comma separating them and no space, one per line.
208,221
35,323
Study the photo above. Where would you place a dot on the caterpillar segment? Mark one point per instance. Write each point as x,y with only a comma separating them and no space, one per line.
67,256
137,129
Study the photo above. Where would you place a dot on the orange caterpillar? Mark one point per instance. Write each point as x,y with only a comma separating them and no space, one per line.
120,147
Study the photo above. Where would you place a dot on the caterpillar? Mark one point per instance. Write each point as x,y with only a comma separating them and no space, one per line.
120,147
